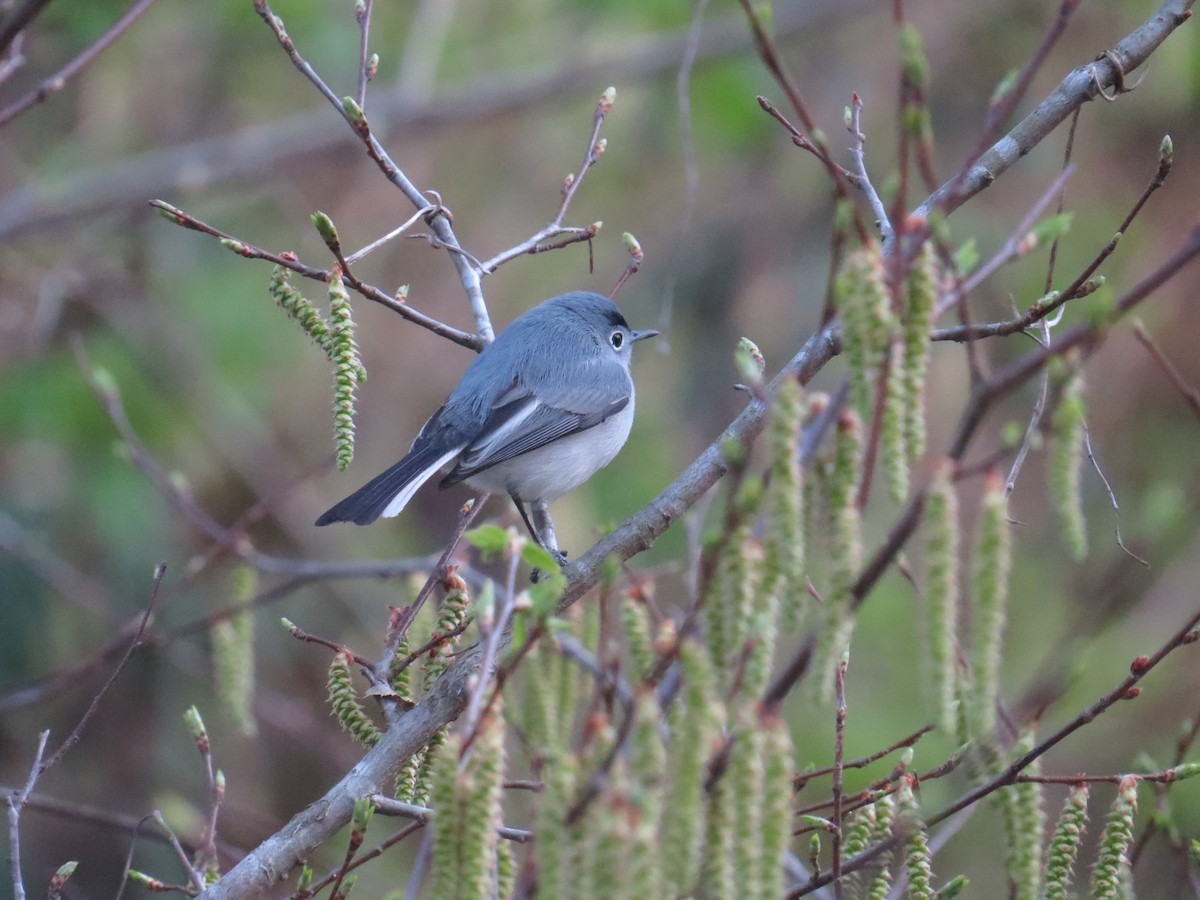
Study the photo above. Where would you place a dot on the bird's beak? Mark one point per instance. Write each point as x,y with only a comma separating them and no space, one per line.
642,335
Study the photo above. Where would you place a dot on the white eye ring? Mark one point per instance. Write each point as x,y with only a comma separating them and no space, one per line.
616,339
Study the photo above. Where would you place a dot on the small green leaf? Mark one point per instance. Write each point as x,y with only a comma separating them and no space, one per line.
1052,227
545,594
1007,83
491,540
966,257
540,558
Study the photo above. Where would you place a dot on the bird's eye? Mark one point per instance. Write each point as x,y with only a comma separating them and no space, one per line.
616,339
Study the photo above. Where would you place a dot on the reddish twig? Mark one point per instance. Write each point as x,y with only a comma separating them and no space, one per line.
289,261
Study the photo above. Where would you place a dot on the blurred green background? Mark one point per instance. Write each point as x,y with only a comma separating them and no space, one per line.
490,103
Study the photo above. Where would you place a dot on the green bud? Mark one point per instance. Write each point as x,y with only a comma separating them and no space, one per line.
325,228
750,361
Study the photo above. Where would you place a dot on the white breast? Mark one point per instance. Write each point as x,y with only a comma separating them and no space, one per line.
560,466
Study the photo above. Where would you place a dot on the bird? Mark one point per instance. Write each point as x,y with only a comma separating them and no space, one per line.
535,415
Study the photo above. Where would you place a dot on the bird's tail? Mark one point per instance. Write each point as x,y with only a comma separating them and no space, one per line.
388,493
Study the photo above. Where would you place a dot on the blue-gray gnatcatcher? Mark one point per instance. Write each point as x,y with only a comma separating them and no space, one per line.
548,403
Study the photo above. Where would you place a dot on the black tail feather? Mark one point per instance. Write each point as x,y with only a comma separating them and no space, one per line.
367,504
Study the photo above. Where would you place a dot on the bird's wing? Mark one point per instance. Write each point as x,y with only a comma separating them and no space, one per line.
521,421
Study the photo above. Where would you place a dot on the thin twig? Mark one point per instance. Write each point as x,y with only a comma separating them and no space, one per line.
862,179
1126,690
1112,494
466,516
289,261
134,642
1191,396
468,273
16,802
536,243
59,79
363,14
839,751
1080,287
389,806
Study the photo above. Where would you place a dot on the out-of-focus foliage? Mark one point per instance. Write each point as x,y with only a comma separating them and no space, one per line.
226,393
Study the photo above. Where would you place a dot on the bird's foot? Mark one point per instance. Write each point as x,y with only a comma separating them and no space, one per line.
561,555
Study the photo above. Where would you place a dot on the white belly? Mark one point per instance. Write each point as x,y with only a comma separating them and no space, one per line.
560,466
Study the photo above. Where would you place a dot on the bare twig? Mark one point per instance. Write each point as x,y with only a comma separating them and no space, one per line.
59,79
134,642
1191,396
389,806
468,273
1081,85
16,21
862,180
16,801
289,261
363,14
1112,495
1080,287
839,752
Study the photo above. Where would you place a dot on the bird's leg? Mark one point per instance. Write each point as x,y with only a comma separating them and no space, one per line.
541,529
520,505
545,527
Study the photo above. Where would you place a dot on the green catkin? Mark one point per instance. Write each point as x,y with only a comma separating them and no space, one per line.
893,443
845,551
745,776
636,618
881,881
423,785
401,680
412,783
1064,845
605,867
1065,466
729,610
233,655
718,879
348,369
506,868
567,680
815,490
867,321
645,855
1111,875
556,875
299,309
783,563
857,832
453,612
989,595
648,754
540,714
917,323
344,701
941,591
778,770
1025,822
916,846
448,822
693,719
481,810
